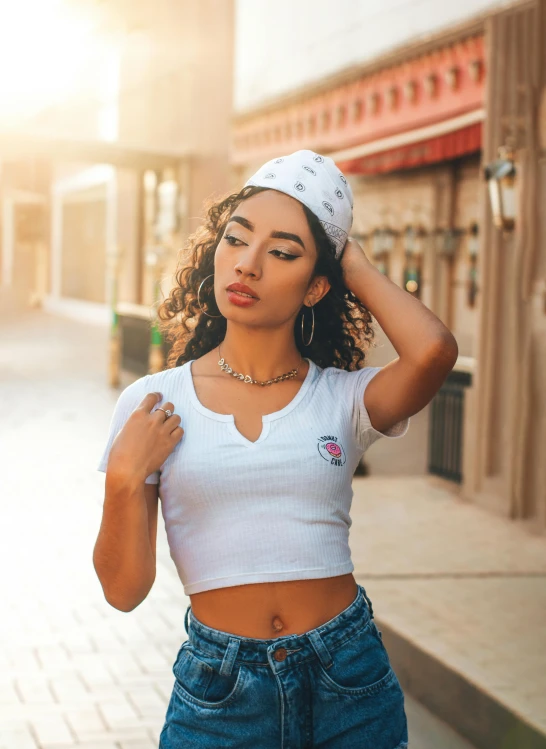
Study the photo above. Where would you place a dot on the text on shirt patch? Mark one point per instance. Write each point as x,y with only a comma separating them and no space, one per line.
331,450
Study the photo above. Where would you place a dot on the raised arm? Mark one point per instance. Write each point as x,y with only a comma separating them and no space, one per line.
427,350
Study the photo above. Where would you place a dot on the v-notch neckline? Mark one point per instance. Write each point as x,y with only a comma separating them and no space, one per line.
266,418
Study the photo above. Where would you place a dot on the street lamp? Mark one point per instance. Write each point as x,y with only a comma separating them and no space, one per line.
413,240
473,241
383,241
447,241
413,249
382,245
500,175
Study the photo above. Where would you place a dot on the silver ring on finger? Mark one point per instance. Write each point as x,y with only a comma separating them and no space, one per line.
165,410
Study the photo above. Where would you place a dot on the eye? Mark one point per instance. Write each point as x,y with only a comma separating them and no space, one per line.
229,237
284,255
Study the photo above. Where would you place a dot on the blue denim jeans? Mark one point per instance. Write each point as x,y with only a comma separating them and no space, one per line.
332,687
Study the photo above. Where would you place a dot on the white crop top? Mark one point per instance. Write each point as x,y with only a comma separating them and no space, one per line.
240,512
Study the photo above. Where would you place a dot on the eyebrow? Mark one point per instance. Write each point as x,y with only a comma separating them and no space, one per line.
275,234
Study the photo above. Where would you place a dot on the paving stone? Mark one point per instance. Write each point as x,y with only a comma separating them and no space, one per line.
52,729
17,738
34,689
85,720
68,689
118,713
8,695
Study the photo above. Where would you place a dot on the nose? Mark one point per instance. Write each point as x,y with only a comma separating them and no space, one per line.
248,262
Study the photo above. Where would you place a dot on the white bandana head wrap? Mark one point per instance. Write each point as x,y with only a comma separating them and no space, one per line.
316,182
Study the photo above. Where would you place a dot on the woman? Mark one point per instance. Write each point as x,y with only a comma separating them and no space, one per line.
263,420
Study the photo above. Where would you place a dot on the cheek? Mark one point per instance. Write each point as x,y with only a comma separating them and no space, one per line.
224,264
220,255
287,282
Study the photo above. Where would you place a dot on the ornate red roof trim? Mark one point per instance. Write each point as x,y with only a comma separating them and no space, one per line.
434,87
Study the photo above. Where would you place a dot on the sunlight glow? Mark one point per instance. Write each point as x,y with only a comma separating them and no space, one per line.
47,53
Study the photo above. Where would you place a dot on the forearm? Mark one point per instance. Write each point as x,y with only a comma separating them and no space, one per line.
411,327
122,556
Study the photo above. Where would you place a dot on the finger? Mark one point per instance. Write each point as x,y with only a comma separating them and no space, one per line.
172,422
162,416
150,400
177,433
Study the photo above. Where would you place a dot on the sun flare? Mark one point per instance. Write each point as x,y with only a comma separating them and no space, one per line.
47,48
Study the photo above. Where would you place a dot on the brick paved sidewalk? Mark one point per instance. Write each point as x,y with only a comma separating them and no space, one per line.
74,672
458,582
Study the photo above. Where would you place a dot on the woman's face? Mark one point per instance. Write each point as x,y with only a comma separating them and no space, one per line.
268,246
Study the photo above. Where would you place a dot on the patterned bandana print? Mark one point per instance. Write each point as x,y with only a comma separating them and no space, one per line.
316,182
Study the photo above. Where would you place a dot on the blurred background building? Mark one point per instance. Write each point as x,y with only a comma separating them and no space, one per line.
120,132
156,107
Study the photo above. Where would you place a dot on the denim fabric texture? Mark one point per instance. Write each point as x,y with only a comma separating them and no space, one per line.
332,687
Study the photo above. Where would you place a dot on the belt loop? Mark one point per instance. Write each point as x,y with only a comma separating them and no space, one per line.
186,619
229,656
368,602
320,648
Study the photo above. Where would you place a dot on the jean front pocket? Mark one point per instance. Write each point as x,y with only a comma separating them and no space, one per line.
360,666
198,679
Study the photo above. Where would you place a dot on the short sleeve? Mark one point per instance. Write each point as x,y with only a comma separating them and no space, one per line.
127,402
365,433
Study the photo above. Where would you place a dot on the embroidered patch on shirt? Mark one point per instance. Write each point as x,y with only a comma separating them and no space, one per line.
331,449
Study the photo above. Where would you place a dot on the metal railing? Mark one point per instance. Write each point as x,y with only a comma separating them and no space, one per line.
445,445
135,325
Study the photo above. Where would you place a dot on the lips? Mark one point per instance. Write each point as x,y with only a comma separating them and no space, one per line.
240,287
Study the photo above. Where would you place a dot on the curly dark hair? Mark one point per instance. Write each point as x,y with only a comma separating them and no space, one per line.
343,325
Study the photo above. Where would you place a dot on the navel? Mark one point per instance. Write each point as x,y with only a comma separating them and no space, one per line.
277,623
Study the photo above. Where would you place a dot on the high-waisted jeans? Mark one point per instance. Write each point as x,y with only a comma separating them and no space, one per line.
332,687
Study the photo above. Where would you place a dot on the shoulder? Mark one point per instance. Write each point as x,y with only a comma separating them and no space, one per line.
167,377
133,393
340,377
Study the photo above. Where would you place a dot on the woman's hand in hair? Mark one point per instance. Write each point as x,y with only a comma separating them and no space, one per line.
353,258
146,440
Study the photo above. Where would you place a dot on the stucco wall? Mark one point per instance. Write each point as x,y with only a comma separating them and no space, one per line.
281,45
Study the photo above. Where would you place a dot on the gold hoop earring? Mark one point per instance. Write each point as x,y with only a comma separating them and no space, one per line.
199,303
312,327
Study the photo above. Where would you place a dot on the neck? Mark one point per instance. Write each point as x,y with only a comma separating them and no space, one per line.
261,354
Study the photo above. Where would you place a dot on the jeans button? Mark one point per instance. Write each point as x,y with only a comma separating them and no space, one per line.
280,654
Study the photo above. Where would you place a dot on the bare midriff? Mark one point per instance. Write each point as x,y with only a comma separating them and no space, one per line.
267,610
